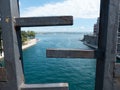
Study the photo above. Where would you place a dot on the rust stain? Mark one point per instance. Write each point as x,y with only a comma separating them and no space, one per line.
7,20
3,74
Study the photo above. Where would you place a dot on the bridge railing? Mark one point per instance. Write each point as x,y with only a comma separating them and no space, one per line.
106,69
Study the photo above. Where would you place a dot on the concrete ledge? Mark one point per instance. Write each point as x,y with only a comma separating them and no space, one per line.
53,86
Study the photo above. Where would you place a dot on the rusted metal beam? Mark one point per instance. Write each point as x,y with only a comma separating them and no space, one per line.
69,53
54,86
44,21
3,76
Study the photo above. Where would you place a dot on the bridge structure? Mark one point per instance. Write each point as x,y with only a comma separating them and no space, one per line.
107,69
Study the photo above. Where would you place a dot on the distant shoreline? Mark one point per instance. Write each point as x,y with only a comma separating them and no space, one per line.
28,44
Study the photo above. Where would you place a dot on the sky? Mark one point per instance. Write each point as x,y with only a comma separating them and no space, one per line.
84,12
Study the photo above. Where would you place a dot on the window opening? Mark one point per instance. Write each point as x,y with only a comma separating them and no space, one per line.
59,37
107,70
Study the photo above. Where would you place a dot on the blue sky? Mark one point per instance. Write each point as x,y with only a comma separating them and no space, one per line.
84,12
29,3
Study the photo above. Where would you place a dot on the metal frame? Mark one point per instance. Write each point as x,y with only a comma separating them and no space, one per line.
106,53
70,53
107,43
44,21
9,10
11,23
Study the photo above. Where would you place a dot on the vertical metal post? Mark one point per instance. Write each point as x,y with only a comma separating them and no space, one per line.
107,44
19,38
9,11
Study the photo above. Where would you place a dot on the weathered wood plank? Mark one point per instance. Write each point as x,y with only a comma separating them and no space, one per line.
44,21
54,86
69,53
3,76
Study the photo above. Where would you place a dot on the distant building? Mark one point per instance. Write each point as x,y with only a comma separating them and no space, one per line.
96,27
92,40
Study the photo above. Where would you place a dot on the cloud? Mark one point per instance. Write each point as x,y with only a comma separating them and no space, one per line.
76,8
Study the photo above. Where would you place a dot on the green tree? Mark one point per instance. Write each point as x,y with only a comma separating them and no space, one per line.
24,36
31,34
27,35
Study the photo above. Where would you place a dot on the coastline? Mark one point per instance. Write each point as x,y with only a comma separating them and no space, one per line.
28,44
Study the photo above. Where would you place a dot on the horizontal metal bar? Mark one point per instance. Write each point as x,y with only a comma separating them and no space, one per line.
44,21
54,86
69,53
3,76
117,70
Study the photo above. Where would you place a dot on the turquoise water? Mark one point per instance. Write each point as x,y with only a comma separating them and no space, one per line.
79,73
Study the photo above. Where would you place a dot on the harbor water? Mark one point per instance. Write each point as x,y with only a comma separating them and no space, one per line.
78,73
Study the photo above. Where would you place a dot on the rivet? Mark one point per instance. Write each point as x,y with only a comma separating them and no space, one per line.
7,20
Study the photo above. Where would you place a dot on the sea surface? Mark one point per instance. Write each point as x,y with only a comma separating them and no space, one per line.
79,73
